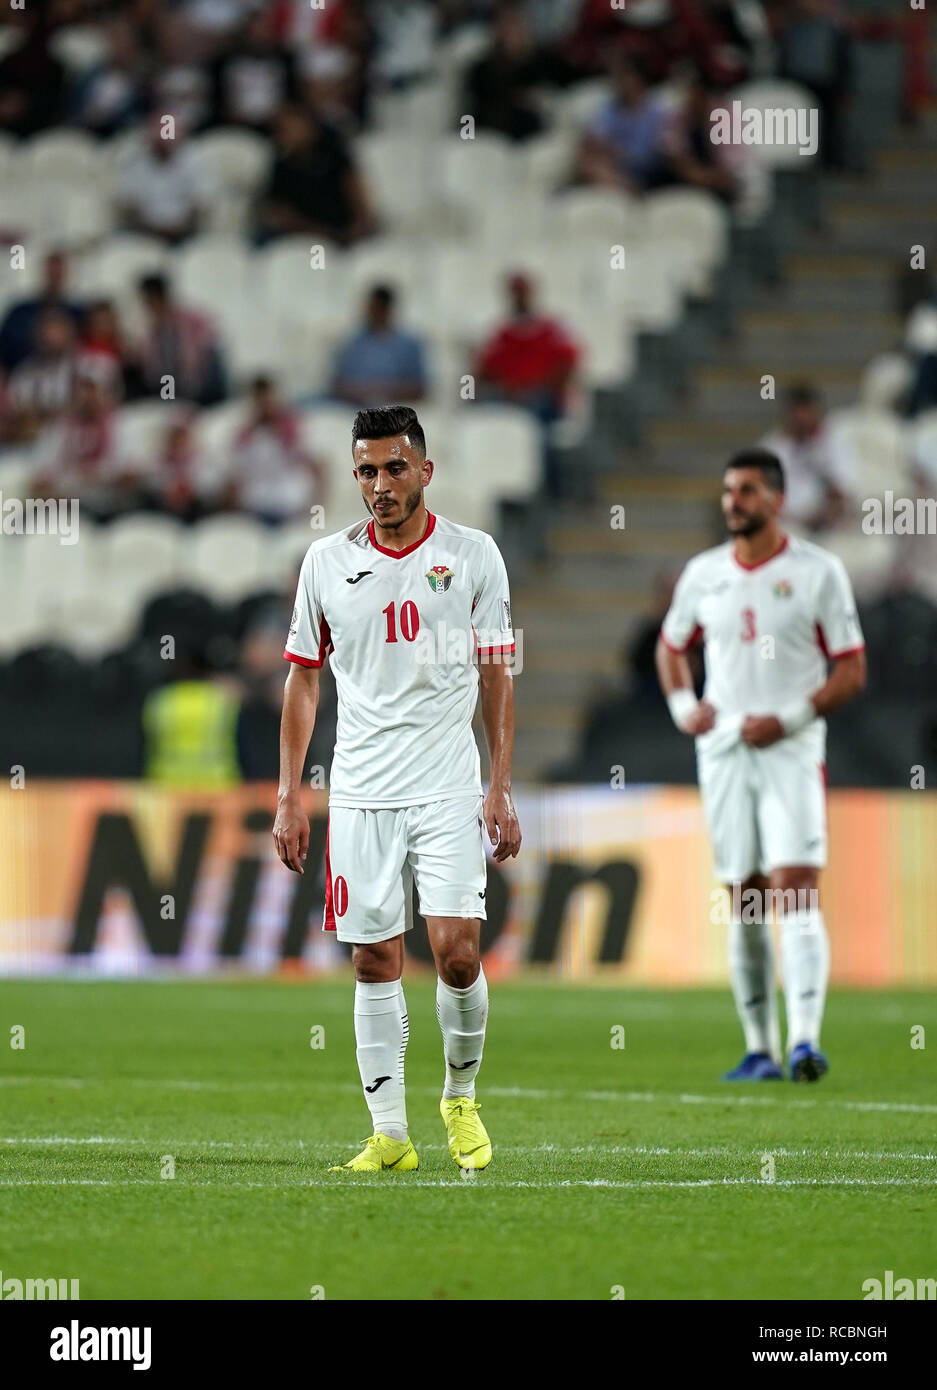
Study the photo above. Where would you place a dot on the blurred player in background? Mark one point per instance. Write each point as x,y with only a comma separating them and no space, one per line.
405,603
772,612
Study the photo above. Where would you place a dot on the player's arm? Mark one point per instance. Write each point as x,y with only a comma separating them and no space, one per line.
845,680
690,715
841,633
497,697
291,827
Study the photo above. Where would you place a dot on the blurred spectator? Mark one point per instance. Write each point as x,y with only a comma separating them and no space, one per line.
815,49
175,485
32,80
723,37
109,97
255,77
380,362
164,190
531,359
18,331
271,474
624,146
501,87
314,185
921,346
260,668
190,727
405,42
179,344
40,388
690,153
329,81
79,455
100,348
817,475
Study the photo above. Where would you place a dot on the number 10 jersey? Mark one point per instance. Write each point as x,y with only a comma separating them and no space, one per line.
404,630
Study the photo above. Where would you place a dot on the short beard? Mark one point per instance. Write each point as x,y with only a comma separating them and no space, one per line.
407,510
750,527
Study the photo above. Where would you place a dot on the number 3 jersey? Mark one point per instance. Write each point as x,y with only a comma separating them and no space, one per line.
404,629
768,628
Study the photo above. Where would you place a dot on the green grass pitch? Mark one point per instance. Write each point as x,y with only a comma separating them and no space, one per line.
627,1168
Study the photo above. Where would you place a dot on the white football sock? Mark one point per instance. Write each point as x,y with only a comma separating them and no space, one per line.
805,954
751,967
381,1032
462,1015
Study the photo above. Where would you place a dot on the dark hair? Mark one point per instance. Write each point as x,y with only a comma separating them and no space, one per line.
262,382
156,284
768,465
384,421
803,394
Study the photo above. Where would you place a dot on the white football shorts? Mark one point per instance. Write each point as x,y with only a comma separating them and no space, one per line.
374,857
766,807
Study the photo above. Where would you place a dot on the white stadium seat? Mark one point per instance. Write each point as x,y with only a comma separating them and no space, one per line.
209,270
224,557
772,94
237,159
693,224
141,554
886,380
91,624
400,172
286,546
62,156
499,449
874,446
599,213
474,172
142,428
291,281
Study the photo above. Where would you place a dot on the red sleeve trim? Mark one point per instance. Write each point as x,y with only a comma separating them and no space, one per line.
694,637
847,651
301,660
501,651
325,646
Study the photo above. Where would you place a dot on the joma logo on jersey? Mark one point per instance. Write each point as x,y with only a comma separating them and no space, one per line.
439,578
783,589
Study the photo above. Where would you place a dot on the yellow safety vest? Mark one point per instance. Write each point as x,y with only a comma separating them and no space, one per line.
191,735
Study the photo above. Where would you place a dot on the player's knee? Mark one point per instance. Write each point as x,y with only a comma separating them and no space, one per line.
795,889
458,965
374,964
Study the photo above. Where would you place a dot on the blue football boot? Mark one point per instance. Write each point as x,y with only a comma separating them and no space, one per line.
755,1066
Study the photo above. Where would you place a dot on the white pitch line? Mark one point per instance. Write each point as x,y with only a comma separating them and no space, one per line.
301,1146
400,1182
500,1092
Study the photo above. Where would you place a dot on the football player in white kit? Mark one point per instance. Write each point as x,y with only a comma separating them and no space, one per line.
783,648
415,613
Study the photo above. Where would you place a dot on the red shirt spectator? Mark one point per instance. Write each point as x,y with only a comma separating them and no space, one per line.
531,358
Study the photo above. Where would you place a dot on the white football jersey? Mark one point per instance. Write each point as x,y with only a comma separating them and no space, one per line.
767,629
403,628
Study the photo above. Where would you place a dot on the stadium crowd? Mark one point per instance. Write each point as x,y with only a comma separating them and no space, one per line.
162,361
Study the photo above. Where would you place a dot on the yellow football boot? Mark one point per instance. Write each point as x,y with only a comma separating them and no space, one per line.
380,1154
468,1139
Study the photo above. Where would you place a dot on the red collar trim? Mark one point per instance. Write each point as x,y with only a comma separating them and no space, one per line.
408,549
766,561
